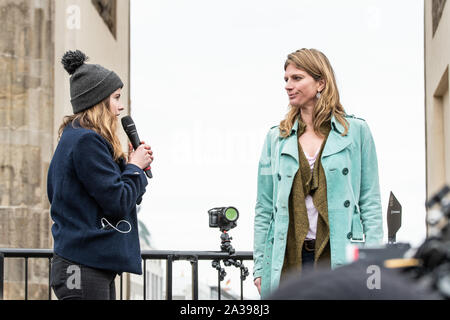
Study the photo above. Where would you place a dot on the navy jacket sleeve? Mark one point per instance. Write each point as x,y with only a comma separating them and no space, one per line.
115,191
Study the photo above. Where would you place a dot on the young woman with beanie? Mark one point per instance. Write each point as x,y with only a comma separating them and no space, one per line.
93,188
318,188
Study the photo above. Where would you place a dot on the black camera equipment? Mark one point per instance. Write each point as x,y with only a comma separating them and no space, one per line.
225,219
429,264
434,253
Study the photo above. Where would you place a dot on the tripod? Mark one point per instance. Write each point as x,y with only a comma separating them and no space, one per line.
226,246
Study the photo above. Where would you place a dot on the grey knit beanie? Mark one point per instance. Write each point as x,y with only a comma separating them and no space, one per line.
90,83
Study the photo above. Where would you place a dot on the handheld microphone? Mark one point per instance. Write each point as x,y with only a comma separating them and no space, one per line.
130,129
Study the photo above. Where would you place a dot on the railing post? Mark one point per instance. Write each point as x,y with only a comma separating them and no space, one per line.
194,263
218,286
145,279
2,279
26,278
169,277
121,286
49,278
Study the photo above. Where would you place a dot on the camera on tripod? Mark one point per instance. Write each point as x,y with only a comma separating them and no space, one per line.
223,218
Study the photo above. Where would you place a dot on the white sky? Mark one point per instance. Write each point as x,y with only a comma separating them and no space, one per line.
207,83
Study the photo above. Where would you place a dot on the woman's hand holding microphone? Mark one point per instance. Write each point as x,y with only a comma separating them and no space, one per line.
141,157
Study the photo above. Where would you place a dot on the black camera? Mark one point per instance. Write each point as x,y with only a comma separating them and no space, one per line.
224,218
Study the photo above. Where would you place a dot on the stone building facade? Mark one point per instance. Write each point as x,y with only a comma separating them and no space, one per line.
437,104
34,97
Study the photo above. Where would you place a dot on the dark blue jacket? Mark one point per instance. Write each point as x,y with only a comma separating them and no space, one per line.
84,185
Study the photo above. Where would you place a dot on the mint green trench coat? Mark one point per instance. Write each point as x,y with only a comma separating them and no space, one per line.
353,196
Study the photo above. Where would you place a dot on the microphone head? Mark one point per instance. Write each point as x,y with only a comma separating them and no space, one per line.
127,123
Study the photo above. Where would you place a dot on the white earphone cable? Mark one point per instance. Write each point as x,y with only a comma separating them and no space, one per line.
117,225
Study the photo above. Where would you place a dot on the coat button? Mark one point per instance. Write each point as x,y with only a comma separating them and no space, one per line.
279,177
347,203
345,171
349,235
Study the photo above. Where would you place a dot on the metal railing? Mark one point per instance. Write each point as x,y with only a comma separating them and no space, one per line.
170,256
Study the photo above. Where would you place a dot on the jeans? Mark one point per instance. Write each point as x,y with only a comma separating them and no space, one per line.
307,260
74,281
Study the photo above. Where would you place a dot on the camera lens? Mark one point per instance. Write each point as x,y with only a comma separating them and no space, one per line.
231,214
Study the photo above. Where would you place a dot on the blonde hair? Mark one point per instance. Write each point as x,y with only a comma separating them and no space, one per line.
316,64
100,119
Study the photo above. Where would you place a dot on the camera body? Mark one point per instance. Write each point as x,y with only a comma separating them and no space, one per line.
223,218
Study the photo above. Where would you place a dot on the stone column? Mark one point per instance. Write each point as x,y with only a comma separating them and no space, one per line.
26,138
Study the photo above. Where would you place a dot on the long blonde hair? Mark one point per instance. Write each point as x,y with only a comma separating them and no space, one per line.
100,119
316,64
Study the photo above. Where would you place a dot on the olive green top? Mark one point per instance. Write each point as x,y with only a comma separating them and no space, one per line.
305,183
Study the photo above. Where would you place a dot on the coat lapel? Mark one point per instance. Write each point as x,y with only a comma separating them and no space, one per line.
290,146
336,142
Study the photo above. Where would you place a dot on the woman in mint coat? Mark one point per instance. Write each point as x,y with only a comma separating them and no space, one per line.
308,210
